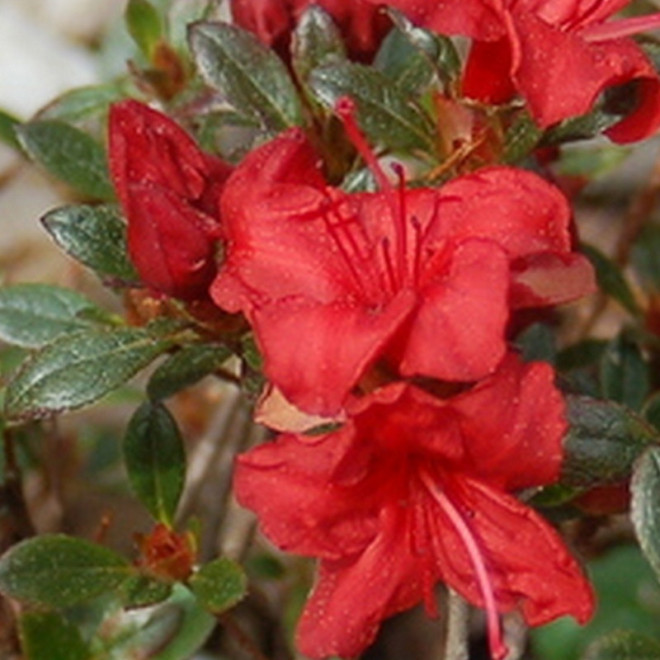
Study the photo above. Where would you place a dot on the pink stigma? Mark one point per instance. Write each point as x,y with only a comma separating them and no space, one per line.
498,649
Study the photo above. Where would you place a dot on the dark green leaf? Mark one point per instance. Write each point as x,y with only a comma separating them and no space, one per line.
144,24
8,125
79,368
315,38
438,49
48,636
155,460
610,279
247,73
644,257
385,114
32,315
185,368
651,411
82,103
624,373
592,163
95,236
623,645
645,505
521,138
583,354
58,571
142,590
603,442
581,128
69,155
219,585
537,342
404,64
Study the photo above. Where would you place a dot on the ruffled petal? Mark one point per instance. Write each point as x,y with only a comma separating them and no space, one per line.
527,561
457,333
316,353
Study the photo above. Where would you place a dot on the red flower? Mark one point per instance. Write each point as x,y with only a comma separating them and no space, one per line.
168,191
414,490
560,55
362,25
423,278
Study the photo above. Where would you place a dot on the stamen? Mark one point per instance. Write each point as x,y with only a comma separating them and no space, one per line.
497,647
417,256
345,109
626,27
400,224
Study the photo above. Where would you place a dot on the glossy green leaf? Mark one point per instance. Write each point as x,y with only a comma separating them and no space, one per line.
219,585
8,125
82,103
144,24
520,140
142,590
68,154
610,279
155,460
58,571
387,116
78,369
645,506
315,39
404,64
95,236
248,74
603,442
48,636
624,373
32,315
623,645
185,368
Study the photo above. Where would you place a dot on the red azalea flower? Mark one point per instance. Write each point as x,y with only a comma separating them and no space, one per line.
422,277
560,55
168,189
362,25
414,490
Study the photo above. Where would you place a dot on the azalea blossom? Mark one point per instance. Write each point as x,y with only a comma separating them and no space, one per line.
414,490
420,279
559,55
362,24
168,189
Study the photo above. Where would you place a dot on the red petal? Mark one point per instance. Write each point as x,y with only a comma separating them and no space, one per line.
458,331
487,75
526,559
268,19
316,353
518,443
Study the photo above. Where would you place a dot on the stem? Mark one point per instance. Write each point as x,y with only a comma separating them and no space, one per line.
458,614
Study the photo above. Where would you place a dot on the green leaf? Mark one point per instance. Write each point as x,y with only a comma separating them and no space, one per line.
315,39
185,368
623,645
142,590
592,163
82,103
247,73
144,24
404,64
68,154
645,505
219,585
95,236
610,279
651,410
385,114
59,571
603,442
32,315
78,369
520,140
624,373
439,49
585,353
155,460
48,636
537,342
8,125
644,257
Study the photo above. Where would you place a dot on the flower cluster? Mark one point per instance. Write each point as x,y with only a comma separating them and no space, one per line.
389,312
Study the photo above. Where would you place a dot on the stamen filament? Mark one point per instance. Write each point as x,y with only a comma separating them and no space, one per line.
497,647
626,27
